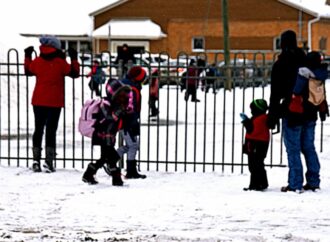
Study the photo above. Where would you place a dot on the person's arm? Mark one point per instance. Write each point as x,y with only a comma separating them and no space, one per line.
74,66
28,60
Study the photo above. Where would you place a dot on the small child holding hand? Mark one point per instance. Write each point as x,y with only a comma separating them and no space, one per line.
256,144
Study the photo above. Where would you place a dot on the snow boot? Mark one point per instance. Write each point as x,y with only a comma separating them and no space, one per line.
89,174
116,176
132,172
50,156
36,151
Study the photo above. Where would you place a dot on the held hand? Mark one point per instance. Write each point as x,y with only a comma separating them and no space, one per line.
28,51
243,116
323,110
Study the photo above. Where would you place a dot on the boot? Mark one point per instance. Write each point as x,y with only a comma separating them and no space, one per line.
132,172
36,151
116,176
89,174
50,156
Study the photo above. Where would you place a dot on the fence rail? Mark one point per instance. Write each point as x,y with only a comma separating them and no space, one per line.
184,136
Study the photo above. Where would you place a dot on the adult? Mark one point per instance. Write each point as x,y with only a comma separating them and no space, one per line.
125,59
298,130
50,69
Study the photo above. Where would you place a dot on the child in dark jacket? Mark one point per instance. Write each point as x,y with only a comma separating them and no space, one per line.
131,122
256,144
107,125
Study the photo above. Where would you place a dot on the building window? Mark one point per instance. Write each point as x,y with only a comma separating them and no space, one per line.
277,43
198,44
85,46
323,43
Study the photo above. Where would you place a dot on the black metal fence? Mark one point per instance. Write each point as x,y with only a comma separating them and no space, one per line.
184,136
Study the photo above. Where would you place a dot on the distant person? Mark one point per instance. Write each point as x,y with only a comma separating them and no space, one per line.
256,144
125,59
192,80
154,94
98,77
50,68
283,79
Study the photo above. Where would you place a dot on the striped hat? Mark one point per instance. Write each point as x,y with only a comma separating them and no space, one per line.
137,74
114,87
259,104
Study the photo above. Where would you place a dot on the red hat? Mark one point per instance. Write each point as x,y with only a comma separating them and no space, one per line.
137,74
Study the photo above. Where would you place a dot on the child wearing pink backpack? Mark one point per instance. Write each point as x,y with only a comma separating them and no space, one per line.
107,122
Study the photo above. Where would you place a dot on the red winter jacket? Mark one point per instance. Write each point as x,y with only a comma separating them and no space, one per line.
50,69
260,129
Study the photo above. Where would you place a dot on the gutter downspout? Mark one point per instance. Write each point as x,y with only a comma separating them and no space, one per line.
310,22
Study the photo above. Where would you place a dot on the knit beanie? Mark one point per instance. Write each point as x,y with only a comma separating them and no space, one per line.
313,60
137,74
288,40
50,40
114,87
259,105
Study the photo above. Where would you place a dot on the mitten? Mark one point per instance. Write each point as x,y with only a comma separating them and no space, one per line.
73,53
273,122
28,51
243,116
323,110
296,104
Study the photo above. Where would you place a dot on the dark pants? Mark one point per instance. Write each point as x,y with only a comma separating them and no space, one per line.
153,108
257,152
191,90
45,117
109,156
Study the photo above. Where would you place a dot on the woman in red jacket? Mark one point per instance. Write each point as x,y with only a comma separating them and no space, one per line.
50,69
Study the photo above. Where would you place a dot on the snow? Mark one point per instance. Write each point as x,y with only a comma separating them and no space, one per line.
167,206
135,29
163,207
317,6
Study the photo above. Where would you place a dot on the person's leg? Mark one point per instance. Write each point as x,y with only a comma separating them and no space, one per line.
53,116
40,118
292,141
311,158
133,147
261,174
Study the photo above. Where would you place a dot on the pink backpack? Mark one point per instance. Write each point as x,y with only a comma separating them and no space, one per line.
87,119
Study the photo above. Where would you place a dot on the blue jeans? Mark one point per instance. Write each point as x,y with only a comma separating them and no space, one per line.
300,139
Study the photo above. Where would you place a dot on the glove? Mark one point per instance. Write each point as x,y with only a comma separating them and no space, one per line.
323,110
28,51
73,53
273,122
243,116
296,104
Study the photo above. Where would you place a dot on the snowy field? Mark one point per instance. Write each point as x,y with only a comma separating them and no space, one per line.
163,207
167,206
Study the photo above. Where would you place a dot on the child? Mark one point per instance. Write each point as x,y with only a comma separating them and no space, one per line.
97,76
131,122
107,125
256,144
153,94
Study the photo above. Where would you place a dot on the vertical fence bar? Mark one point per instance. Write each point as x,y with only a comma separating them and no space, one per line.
8,109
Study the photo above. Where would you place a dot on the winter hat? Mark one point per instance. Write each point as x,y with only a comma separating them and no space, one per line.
137,74
313,60
259,105
114,87
50,40
288,40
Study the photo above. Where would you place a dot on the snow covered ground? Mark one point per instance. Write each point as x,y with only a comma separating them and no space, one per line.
163,207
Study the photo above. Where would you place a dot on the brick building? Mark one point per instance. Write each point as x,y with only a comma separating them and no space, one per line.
195,26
